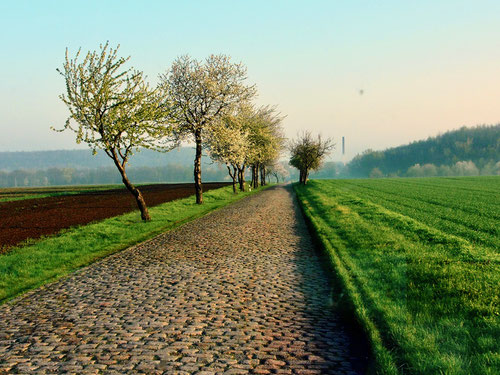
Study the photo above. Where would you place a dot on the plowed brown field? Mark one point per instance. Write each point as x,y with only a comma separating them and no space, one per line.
33,218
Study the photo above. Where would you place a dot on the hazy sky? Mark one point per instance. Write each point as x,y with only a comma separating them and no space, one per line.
425,66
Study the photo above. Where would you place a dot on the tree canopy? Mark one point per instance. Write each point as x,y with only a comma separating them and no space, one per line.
307,153
112,108
209,102
200,94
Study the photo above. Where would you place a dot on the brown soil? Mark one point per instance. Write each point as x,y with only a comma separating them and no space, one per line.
34,218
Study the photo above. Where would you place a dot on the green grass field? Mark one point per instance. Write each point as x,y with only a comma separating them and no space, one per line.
418,262
16,194
46,260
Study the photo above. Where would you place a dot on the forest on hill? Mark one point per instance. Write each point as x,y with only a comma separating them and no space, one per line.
466,151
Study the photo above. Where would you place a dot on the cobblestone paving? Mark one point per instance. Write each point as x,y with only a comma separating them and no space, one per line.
238,291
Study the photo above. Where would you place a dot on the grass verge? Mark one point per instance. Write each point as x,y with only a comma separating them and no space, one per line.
29,267
427,298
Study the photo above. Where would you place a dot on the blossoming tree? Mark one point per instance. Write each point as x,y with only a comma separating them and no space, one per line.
112,109
201,93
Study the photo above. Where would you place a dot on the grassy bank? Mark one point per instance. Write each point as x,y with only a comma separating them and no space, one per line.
419,263
28,267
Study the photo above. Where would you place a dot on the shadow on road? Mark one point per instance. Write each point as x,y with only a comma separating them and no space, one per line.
334,328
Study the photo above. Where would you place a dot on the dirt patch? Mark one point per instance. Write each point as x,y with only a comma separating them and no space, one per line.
34,218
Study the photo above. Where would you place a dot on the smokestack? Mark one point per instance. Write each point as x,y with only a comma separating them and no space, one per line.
343,146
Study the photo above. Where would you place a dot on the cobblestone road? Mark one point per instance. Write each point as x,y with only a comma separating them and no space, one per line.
238,291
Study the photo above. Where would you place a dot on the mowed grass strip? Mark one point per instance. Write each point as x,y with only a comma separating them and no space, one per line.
428,299
31,266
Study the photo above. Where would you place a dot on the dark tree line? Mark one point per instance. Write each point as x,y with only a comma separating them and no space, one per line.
480,144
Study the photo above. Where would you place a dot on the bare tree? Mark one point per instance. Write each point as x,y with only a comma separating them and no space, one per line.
112,109
201,93
307,153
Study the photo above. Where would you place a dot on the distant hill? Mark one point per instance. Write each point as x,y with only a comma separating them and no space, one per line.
479,145
36,160
80,167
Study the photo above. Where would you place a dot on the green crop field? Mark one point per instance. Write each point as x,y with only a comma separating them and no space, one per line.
418,262
16,194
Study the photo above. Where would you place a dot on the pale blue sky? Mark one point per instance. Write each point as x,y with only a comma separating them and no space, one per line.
425,66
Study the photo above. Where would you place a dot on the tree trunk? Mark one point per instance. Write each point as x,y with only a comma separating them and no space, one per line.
303,176
255,175
235,178
241,178
233,175
197,168
141,203
262,175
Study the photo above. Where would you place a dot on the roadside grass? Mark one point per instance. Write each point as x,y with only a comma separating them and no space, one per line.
427,298
28,267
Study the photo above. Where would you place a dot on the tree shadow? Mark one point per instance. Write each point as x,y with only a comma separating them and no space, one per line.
332,322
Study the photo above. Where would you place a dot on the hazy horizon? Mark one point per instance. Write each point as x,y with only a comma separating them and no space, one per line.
334,156
423,69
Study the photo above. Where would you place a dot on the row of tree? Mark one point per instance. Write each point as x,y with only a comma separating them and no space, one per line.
207,102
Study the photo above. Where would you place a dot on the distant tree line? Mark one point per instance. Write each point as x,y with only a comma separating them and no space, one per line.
447,153
84,159
77,167
106,175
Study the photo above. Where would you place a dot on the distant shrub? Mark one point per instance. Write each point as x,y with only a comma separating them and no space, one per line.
465,168
460,168
426,170
376,173
491,169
